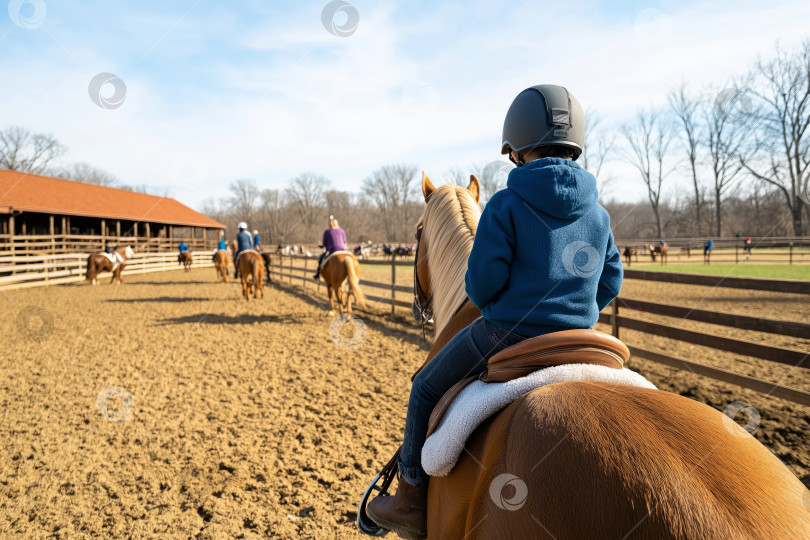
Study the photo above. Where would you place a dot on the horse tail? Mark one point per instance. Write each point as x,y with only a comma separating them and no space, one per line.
90,268
354,280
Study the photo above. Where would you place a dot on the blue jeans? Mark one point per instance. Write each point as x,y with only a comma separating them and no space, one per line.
465,355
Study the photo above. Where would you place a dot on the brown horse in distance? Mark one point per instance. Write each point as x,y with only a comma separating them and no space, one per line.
185,259
590,459
659,250
99,262
221,261
340,267
251,272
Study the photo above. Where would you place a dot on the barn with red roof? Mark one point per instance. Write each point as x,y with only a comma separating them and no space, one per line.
37,206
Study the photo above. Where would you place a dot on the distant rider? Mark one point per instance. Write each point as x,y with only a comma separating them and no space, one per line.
334,239
243,242
256,242
221,246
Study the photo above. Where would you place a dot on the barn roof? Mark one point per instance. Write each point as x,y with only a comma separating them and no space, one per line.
35,193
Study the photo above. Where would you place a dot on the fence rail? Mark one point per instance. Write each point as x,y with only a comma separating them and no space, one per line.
40,270
46,244
801,330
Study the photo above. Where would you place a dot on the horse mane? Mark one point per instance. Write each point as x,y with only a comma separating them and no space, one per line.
450,221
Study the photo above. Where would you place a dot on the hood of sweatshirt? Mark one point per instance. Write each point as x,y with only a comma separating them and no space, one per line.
558,187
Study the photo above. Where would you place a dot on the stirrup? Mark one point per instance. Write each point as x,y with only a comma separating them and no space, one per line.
387,474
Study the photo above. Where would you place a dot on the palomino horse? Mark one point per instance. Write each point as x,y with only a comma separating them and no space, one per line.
339,267
659,250
101,262
589,459
221,261
251,271
185,259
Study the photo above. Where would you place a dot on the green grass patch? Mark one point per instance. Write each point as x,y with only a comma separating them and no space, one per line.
768,271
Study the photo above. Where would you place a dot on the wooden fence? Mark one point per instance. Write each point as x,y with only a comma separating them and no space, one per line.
286,268
22,271
769,250
55,244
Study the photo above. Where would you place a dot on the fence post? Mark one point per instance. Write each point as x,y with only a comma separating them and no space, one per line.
737,251
791,253
393,281
614,317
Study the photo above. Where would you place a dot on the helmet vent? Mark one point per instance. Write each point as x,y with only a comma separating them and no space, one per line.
559,116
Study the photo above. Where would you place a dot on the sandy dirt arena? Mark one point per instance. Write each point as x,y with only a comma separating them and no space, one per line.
169,407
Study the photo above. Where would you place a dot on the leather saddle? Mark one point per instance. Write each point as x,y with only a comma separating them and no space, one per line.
555,349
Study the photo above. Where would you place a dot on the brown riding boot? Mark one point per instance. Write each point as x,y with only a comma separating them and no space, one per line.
405,513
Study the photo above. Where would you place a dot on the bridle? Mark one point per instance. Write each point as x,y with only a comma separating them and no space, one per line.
421,307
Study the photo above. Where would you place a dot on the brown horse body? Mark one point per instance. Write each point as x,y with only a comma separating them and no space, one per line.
99,262
185,259
251,272
596,460
659,250
338,268
221,261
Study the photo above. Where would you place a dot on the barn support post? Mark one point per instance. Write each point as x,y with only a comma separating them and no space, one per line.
118,229
52,232
11,230
65,232
614,317
393,281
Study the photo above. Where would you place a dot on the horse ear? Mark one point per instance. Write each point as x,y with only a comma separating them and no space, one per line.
427,186
475,187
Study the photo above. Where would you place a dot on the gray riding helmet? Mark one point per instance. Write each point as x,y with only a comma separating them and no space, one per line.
544,115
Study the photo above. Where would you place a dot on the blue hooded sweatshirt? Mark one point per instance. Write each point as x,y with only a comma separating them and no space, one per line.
543,259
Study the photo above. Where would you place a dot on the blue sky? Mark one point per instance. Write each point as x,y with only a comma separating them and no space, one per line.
217,91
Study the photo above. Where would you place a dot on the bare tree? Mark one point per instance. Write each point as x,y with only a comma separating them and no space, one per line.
649,139
784,88
21,150
244,199
600,142
307,193
728,140
392,189
687,109
86,173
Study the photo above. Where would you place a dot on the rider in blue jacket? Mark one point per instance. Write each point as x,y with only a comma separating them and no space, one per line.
543,260
243,242
183,247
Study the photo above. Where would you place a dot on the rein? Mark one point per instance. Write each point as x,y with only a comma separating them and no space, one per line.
421,302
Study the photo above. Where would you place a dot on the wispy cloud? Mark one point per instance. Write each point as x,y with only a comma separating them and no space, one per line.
261,90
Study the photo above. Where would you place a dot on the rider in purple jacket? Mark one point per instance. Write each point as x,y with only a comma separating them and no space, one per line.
334,239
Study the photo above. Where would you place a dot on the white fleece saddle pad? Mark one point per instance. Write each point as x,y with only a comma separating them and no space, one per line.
480,400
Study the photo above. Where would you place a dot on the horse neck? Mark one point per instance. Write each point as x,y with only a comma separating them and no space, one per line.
450,248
